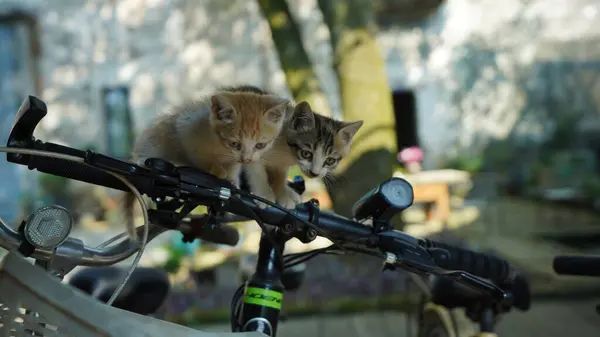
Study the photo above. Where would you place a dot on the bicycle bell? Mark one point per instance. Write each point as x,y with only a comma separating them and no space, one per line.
47,227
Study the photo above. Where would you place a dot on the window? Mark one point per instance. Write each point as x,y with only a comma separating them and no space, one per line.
118,121
17,69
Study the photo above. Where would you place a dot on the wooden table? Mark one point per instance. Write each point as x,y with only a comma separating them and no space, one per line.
432,188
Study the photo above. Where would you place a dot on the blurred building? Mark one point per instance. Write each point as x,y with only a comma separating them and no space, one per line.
485,71
474,71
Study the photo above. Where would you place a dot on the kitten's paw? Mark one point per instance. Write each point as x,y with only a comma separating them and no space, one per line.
234,182
289,198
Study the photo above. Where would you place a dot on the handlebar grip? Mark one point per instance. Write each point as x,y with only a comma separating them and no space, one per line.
581,265
482,265
72,170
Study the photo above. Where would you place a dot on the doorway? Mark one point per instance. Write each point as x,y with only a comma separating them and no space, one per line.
406,118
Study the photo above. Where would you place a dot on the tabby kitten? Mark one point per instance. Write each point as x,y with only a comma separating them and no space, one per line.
313,142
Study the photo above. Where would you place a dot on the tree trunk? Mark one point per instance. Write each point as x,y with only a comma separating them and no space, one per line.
296,64
365,95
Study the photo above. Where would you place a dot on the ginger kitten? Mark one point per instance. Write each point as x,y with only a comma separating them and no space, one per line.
217,134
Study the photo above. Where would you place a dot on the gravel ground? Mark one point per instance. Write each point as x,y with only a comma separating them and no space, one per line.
326,278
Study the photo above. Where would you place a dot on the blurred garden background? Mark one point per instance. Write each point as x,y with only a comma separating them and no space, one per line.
491,109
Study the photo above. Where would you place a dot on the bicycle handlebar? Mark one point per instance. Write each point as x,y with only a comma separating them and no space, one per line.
412,254
577,265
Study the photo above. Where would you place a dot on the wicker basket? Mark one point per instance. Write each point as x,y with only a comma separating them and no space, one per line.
33,303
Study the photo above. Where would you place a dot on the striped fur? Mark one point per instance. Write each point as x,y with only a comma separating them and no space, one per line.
314,142
318,142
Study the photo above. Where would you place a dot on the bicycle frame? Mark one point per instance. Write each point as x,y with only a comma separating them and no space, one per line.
449,322
479,311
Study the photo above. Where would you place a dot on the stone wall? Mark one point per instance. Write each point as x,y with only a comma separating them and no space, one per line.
165,51
488,71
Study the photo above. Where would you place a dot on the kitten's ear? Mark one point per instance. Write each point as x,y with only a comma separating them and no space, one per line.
221,109
349,129
304,117
303,108
277,113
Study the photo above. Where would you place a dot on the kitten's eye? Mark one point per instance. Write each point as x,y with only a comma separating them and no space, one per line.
260,146
235,145
306,154
330,161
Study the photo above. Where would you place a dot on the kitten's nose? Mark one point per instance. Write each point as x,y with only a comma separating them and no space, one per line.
246,160
313,174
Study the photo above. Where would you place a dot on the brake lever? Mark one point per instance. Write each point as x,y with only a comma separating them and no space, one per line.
477,284
417,259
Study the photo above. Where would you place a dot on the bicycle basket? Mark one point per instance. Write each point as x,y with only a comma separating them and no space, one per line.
34,303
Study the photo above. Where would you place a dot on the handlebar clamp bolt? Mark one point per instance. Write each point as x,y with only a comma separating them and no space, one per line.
224,193
288,228
311,234
391,258
308,235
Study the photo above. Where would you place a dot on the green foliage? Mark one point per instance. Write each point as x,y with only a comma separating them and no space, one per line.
465,163
498,155
565,133
535,174
295,171
54,186
590,187
173,263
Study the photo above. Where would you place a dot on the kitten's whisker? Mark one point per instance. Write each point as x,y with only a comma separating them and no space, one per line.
339,179
265,161
326,182
330,180
329,183
277,153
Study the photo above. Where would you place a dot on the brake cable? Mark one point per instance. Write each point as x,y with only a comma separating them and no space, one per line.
131,230
283,209
288,213
266,232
